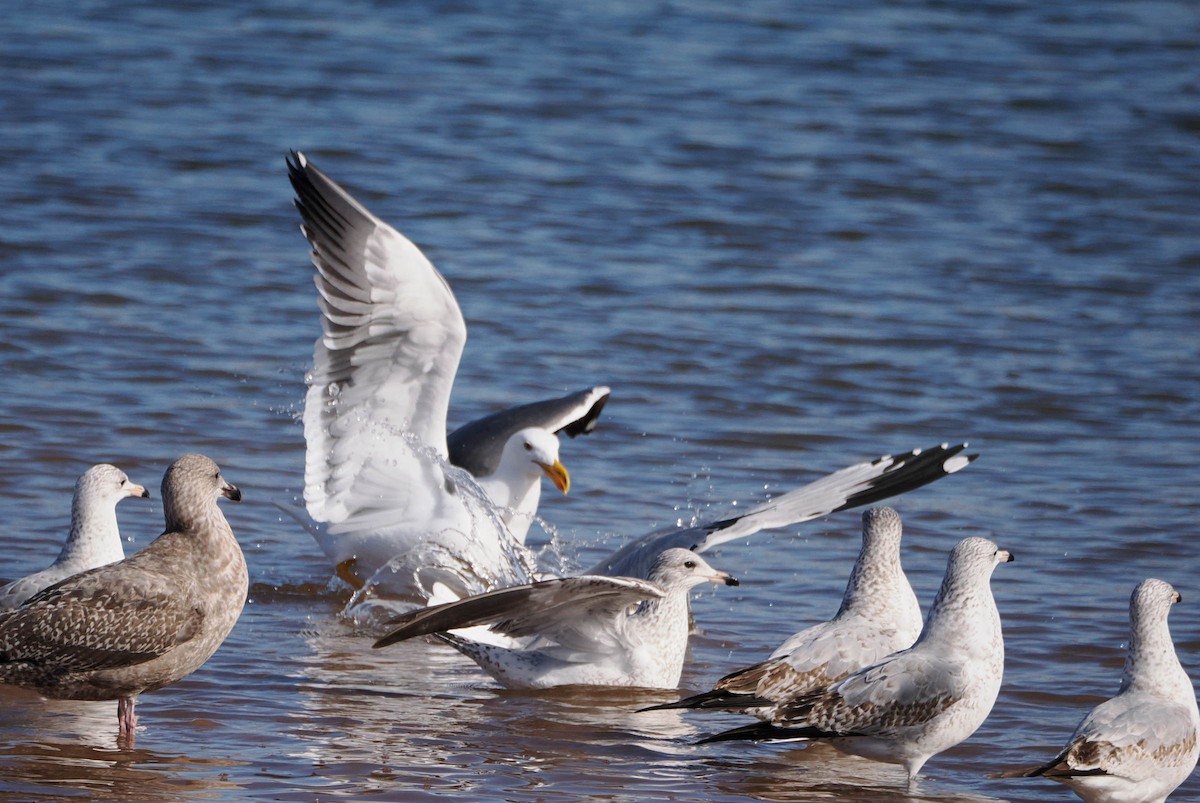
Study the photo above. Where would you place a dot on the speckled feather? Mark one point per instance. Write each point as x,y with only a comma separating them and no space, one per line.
879,615
916,703
139,624
1140,745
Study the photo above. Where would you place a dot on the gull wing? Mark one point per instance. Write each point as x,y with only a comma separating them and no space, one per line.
565,610
384,366
853,486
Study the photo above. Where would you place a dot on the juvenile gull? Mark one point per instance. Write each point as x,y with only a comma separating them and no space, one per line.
879,615
94,539
1142,744
137,625
589,630
377,483
921,701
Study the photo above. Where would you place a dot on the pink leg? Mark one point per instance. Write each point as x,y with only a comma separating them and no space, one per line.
126,719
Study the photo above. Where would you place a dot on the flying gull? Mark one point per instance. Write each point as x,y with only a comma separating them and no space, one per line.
1140,745
94,539
918,702
144,622
879,615
589,630
377,481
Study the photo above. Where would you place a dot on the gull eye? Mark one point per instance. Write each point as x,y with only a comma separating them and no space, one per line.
689,564
528,446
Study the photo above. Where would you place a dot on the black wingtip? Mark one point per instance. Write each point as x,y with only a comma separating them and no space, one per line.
911,471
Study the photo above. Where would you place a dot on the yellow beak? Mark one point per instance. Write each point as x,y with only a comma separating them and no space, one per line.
558,475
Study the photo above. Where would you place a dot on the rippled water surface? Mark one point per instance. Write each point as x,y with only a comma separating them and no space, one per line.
790,236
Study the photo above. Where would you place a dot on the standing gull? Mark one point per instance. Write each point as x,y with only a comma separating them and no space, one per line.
589,630
377,481
94,539
142,623
879,615
1142,744
921,701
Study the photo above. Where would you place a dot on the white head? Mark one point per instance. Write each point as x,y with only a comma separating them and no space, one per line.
683,568
536,449
106,483
975,557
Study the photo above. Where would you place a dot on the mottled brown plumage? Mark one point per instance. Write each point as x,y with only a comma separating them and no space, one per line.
144,622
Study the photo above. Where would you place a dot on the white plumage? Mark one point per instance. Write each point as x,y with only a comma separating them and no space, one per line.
94,538
378,481
918,702
589,630
1142,744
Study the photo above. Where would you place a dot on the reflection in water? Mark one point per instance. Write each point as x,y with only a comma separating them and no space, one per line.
820,772
71,745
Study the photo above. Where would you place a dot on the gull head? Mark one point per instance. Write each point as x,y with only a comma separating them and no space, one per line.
1152,600
683,568
108,483
191,487
977,555
538,447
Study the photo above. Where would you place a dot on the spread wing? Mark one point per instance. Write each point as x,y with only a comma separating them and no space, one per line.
853,486
571,610
477,446
384,366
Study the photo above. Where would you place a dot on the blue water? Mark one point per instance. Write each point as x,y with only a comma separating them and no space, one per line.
789,236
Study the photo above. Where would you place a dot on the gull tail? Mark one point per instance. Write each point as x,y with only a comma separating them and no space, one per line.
717,699
766,732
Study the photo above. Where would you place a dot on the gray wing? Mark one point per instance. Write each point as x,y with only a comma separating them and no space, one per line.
1130,736
543,608
908,688
477,446
853,486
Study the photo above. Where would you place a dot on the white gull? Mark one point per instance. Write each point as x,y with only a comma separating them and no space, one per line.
918,702
377,481
879,615
94,538
1139,746
589,630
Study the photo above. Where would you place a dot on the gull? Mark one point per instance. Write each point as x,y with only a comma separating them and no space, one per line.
918,702
378,482
141,623
879,615
94,539
588,630
1140,745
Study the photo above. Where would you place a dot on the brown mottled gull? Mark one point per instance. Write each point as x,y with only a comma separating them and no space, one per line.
116,631
94,539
